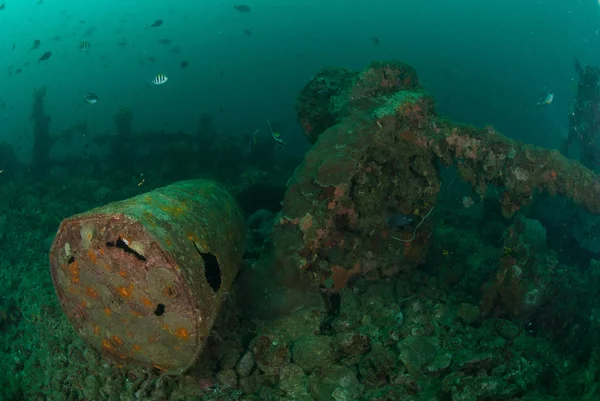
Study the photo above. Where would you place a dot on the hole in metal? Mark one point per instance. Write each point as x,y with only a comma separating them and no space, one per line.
160,309
212,270
122,244
71,260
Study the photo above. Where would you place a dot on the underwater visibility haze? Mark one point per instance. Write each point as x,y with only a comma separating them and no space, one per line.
300,200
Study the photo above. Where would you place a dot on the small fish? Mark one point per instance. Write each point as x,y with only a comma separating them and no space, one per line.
151,59
276,136
159,79
14,44
36,44
84,46
278,140
242,8
375,40
2,6
184,64
247,32
18,71
545,98
156,23
90,98
45,56
165,41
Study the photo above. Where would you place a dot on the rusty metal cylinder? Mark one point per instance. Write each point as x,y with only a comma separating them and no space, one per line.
142,280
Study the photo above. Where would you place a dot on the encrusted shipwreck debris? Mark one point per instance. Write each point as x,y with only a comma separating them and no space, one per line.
584,121
378,144
142,280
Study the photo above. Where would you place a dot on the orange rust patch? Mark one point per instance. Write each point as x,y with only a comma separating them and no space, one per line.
90,291
136,348
168,242
136,313
74,271
182,333
125,292
107,345
107,267
117,340
165,326
107,310
92,255
96,329
84,303
146,301
101,251
123,274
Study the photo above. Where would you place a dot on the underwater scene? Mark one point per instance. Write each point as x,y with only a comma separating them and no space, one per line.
300,200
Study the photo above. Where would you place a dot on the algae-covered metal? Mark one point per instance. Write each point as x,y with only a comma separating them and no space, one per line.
143,279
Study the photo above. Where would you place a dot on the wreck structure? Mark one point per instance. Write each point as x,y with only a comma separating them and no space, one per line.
584,120
378,150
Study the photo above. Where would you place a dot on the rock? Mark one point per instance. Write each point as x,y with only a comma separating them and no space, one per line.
293,381
352,343
507,329
440,362
91,388
312,352
416,352
270,353
228,378
376,366
245,364
468,313
472,363
229,359
335,379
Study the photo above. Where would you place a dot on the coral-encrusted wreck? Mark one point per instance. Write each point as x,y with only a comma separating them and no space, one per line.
378,148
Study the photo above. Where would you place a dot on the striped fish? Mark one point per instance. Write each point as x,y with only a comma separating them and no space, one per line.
84,46
159,79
